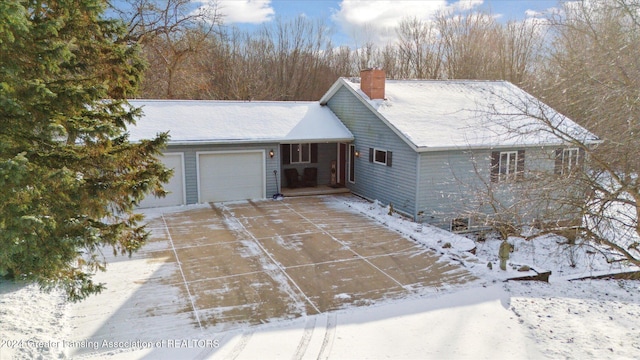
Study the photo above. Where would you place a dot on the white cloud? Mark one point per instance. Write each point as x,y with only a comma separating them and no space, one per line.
463,5
375,20
245,11
532,13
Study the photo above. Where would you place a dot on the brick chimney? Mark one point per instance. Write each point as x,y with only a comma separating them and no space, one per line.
372,83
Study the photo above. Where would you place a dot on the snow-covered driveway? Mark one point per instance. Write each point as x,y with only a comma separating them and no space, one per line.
149,308
231,265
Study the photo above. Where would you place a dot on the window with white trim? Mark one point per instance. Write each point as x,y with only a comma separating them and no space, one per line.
507,165
379,156
567,161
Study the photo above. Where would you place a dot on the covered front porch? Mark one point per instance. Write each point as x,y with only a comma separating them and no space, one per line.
314,168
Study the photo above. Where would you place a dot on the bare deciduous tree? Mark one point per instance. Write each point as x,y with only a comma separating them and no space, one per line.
521,46
419,49
170,33
286,60
476,46
594,77
471,44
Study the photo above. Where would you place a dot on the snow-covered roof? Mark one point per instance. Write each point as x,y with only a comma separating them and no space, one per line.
222,122
454,114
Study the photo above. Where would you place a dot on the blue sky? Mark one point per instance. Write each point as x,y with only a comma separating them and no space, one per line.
350,18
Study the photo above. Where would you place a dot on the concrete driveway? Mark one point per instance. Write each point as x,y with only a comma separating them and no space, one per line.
255,262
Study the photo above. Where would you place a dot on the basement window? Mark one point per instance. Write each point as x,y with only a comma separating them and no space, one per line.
459,224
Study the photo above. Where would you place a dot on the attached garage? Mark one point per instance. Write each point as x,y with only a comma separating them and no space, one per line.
231,175
175,186
231,150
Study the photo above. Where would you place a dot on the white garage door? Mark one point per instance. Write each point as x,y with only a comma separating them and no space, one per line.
228,176
175,186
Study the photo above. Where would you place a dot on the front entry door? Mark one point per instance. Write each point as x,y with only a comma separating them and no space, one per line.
342,164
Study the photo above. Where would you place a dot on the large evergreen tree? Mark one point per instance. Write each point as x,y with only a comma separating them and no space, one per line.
69,176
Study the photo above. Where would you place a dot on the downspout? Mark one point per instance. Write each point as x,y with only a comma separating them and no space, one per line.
416,210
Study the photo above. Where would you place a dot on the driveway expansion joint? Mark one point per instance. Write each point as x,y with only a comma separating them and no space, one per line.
255,240
246,263
346,246
186,283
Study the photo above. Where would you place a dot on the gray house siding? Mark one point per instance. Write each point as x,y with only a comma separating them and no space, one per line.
190,164
394,184
454,184
442,175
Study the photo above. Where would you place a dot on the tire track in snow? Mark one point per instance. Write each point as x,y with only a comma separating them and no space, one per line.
184,279
329,335
207,353
306,338
242,343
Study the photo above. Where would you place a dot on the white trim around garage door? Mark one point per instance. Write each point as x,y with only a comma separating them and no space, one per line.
243,175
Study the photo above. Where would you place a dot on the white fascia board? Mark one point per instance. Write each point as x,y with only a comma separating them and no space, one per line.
424,149
257,141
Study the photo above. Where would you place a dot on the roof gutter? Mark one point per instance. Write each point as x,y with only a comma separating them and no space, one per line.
256,141
423,149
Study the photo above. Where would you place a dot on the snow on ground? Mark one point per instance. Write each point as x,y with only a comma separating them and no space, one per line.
31,322
490,318
597,319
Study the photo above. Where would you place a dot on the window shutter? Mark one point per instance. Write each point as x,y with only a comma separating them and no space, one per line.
520,165
495,163
581,155
370,154
314,153
389,157
285,150
557,168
